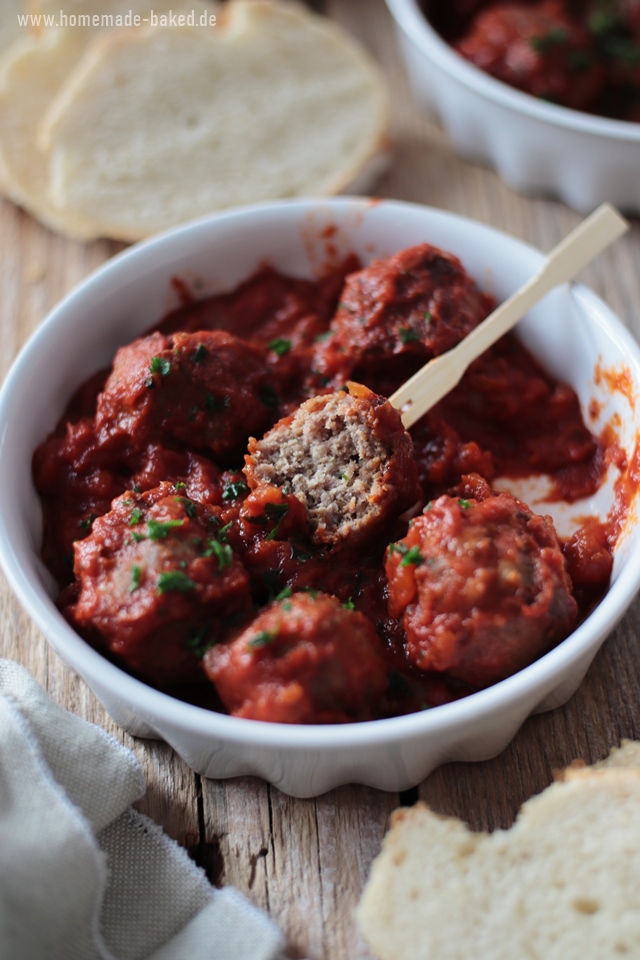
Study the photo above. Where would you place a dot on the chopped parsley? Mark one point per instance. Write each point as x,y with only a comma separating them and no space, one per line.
276,512
398,548
349,605
407,335
160,365
160,529
200,354
221,551
221,532
284,594
216,404
86,523
547,41
136,578
409,555
280,346
175,581
262,639
465,504
299,555
234,489
200,641
602,22
412,556
428,317
180,485
189,507
136,517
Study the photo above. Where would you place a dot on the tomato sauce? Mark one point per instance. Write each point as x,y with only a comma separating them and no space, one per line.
174,564
582,54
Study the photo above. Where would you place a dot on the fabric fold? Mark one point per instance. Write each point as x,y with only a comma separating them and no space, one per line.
83,876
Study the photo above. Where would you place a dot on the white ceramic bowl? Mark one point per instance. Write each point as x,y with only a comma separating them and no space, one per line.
536,147
570,332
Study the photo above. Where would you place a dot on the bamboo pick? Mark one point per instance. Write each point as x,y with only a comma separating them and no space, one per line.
433,381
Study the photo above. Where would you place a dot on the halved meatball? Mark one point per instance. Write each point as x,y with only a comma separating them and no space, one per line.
157,581
346,457
481,587
205,390
305,659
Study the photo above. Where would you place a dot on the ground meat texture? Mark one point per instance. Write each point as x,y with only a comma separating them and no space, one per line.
304,659
346,457
207,391
395,315
481,587
157,582
538,49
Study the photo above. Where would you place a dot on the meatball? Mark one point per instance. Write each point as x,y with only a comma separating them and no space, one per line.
481,587
157,582
305,659
207,391
195,476
538,49
397,314
346,457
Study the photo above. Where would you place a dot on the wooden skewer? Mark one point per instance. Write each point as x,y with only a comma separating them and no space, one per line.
431,383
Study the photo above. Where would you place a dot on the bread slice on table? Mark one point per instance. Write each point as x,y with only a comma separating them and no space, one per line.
32,71
562,884
158,126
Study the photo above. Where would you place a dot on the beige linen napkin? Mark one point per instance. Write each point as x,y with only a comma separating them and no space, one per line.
82,875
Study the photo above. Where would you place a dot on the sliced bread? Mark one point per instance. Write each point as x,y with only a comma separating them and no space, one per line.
562,884
157,126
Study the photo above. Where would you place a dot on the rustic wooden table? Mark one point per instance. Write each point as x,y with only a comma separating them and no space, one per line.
306,861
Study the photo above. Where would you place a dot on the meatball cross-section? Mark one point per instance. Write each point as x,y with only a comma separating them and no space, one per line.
346,457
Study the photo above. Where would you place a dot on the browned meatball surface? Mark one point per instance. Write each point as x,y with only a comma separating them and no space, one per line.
157,581
398,313
481,587
304,659
346,457
538,49
206,390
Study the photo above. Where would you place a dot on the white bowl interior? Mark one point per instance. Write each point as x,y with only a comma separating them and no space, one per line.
570,332
532,144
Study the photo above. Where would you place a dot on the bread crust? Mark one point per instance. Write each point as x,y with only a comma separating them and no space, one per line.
561,884
274,101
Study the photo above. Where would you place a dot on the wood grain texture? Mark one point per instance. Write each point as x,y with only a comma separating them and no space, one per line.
306,860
